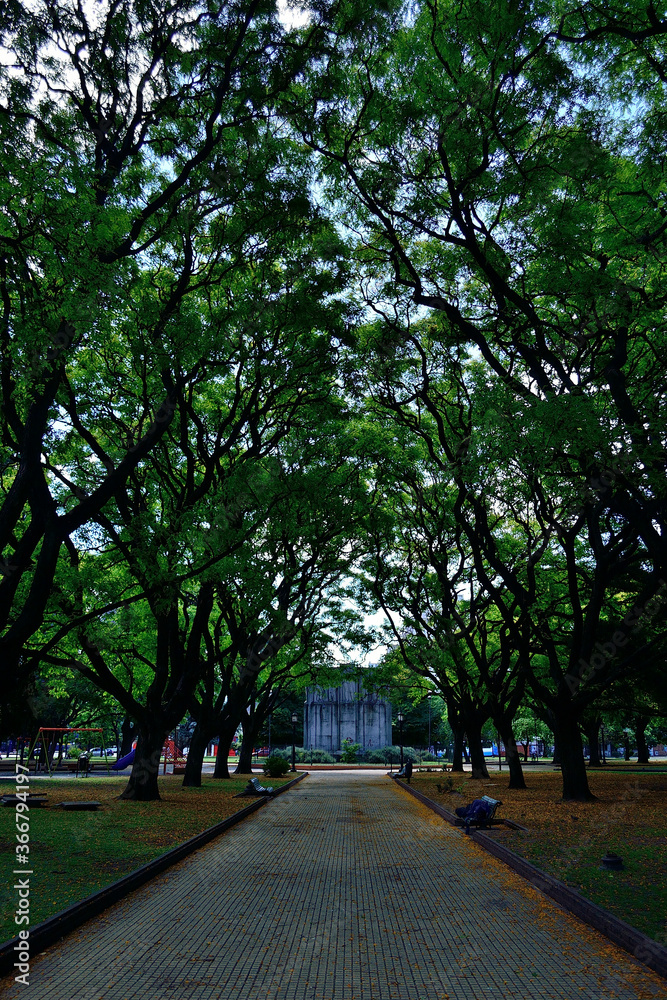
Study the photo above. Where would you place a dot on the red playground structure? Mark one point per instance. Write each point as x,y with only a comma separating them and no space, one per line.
172,754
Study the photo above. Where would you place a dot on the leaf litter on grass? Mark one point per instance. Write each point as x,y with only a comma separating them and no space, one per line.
569,839
74,854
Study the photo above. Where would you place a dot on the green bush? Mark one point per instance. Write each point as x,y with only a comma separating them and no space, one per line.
349,752
286,754
386,755
303,755
317,757
276,766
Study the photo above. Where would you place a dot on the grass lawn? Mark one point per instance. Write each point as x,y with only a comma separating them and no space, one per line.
73,854
568,839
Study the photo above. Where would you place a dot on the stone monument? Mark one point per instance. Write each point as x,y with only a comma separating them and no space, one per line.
332,715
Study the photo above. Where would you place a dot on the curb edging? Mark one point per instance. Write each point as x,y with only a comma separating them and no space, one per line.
640,946
51,930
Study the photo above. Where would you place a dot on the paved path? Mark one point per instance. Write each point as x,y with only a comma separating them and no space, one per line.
344,888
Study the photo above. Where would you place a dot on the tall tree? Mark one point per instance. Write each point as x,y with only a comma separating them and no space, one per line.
491,544
143,168
283,600
490,168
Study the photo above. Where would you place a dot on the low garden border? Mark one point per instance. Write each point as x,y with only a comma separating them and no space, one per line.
640,946
52,930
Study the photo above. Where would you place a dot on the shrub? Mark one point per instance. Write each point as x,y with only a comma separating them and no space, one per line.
317,757
276,766
349,751
385,755
302,755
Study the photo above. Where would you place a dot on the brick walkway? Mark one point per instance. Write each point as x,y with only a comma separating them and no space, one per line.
345,888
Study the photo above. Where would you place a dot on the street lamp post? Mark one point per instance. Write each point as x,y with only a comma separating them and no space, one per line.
429,696
400,726
294,722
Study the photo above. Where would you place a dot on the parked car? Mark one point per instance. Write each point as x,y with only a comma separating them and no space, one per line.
262,752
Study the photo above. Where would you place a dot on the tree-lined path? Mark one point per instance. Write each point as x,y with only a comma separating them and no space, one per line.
343,889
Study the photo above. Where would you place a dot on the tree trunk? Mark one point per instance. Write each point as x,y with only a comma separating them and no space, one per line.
143,784
457,754
127,736
556,760
573,765
244,765
196,754
221,761
477,759
512,753
221,769
592,731
641,722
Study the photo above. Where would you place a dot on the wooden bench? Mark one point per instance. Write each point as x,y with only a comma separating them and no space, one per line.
36,799
405,771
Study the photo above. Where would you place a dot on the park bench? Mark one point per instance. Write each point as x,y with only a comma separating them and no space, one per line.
36,799
254,788
79,806
405,771
481,812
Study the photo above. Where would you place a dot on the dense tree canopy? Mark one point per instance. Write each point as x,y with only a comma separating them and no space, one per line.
380,298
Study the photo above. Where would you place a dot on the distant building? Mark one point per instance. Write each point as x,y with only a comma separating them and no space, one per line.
332,715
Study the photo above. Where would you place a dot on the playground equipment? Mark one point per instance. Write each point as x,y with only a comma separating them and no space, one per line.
171,754
125,761
49,742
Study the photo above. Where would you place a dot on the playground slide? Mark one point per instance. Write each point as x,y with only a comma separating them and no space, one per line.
124,761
